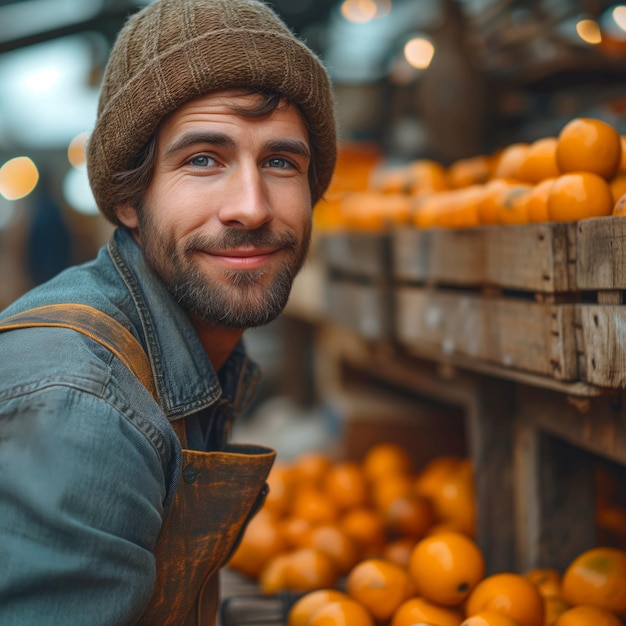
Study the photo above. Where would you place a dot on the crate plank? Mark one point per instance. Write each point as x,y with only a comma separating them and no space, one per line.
517,334
603,349
364,308
443,256
601,253
530,257
359,254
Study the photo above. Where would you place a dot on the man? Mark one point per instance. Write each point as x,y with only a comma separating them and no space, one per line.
214,137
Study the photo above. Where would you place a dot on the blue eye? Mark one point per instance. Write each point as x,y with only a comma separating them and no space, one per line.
279,163
202,160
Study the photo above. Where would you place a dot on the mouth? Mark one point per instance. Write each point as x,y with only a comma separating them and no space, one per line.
243,258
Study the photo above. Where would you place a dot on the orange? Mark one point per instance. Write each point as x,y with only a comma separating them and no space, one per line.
309,467
430,478
540,161
537,201
261,540
589,145
456,499
620,206
546,579
426,176
341,613
306,569
461,209
366,527
489,204
584,615
597,577
336,544
618,186
386,458
553,607
279,482
510,160
446,567
273,577
409,516
312,504
398,551
510,594
387,488
512,205
579,195
344,483
307,604
419,610
380,586
489,618
295,530
469,171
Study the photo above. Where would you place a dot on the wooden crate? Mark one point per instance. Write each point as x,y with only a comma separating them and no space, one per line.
358,283
546,299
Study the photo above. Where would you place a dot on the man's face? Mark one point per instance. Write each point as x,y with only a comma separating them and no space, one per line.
226,220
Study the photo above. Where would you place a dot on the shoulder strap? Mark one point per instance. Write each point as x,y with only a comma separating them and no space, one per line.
95,324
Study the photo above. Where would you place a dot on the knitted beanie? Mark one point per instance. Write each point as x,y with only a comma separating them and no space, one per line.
175,50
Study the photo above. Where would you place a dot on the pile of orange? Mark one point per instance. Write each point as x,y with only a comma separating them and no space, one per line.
377,543
577,174
326,515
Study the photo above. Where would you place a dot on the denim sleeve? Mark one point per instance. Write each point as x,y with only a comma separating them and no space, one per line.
81,493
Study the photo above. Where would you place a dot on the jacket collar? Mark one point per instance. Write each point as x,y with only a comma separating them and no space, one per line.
184,376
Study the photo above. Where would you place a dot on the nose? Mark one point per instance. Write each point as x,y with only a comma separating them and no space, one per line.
246,202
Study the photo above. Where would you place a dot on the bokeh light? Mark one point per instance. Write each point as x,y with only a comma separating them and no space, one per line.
76,150
589,31
419,52
18,178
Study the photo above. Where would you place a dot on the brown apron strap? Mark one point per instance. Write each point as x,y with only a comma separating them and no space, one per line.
95,324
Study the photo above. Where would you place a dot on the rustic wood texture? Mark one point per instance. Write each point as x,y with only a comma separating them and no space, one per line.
360,254
533,257
518,334
601,253
363,308
602,344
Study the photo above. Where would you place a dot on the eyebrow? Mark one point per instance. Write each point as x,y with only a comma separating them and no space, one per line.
189,139
293,146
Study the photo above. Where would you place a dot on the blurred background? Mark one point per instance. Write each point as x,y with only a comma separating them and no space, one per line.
440,79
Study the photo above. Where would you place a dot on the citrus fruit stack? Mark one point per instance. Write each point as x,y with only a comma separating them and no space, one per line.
321,517
579,173
375,543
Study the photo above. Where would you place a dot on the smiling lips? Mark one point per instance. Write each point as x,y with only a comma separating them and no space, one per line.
244,258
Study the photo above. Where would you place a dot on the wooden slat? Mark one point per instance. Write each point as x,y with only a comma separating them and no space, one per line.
601,253
516,334
603,344
444,256
359,254
365,309
533,257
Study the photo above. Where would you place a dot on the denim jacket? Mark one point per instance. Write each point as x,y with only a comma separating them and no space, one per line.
88,460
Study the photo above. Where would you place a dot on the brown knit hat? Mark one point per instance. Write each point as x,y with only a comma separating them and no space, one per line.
175,50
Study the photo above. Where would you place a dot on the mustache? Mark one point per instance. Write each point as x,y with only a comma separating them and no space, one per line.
236,237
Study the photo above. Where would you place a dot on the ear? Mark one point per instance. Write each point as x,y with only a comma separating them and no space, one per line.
127,215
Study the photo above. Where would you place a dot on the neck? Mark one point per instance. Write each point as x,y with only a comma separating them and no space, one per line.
218,341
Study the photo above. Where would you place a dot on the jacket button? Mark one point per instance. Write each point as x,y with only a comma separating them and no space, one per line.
190,474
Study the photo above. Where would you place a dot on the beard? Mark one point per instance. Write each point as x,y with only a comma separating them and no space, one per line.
232,298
